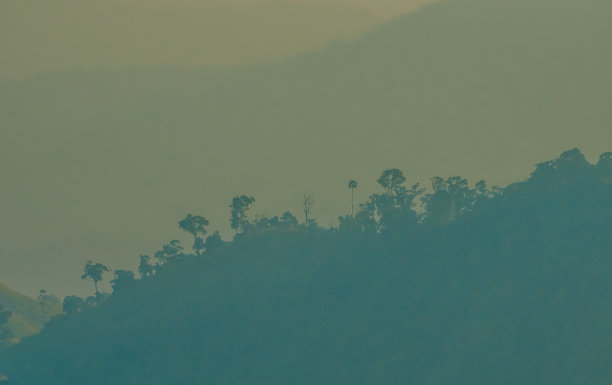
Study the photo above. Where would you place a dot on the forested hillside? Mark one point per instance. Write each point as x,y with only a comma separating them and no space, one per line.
458,284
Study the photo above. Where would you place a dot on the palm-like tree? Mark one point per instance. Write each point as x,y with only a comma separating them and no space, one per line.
352,185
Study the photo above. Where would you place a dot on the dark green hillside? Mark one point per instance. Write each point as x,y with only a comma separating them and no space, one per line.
434,92
505,286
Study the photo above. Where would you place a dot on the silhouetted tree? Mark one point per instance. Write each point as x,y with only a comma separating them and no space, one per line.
96,299
239,206
40,297
352,185
391,179
94,272
169,251
213,242
451,199
308,202
196,226
395,205
198,245
266,222
571,168
73,304
604,167
123,279
44,298
288,220
145,268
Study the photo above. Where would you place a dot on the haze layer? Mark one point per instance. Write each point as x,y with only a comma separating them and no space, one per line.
38,35
102,165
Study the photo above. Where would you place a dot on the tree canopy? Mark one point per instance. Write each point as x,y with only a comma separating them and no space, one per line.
456,284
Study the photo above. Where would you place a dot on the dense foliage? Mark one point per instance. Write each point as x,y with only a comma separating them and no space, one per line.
457,285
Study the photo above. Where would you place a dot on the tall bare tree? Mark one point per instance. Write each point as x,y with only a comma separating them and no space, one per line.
308,202
352,185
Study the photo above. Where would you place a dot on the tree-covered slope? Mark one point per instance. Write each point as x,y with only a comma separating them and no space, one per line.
434,92
483,287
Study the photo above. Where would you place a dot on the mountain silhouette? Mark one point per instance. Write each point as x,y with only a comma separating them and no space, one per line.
516,290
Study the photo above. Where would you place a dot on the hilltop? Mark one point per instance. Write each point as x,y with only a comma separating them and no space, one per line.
487,286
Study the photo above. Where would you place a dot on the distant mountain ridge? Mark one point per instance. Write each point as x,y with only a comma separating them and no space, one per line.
122,36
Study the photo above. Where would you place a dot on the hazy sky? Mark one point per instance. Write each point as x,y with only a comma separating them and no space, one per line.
64,35
102,165
385,8
39,35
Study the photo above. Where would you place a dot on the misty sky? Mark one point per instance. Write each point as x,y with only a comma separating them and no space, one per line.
102,159
40,35
37,36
